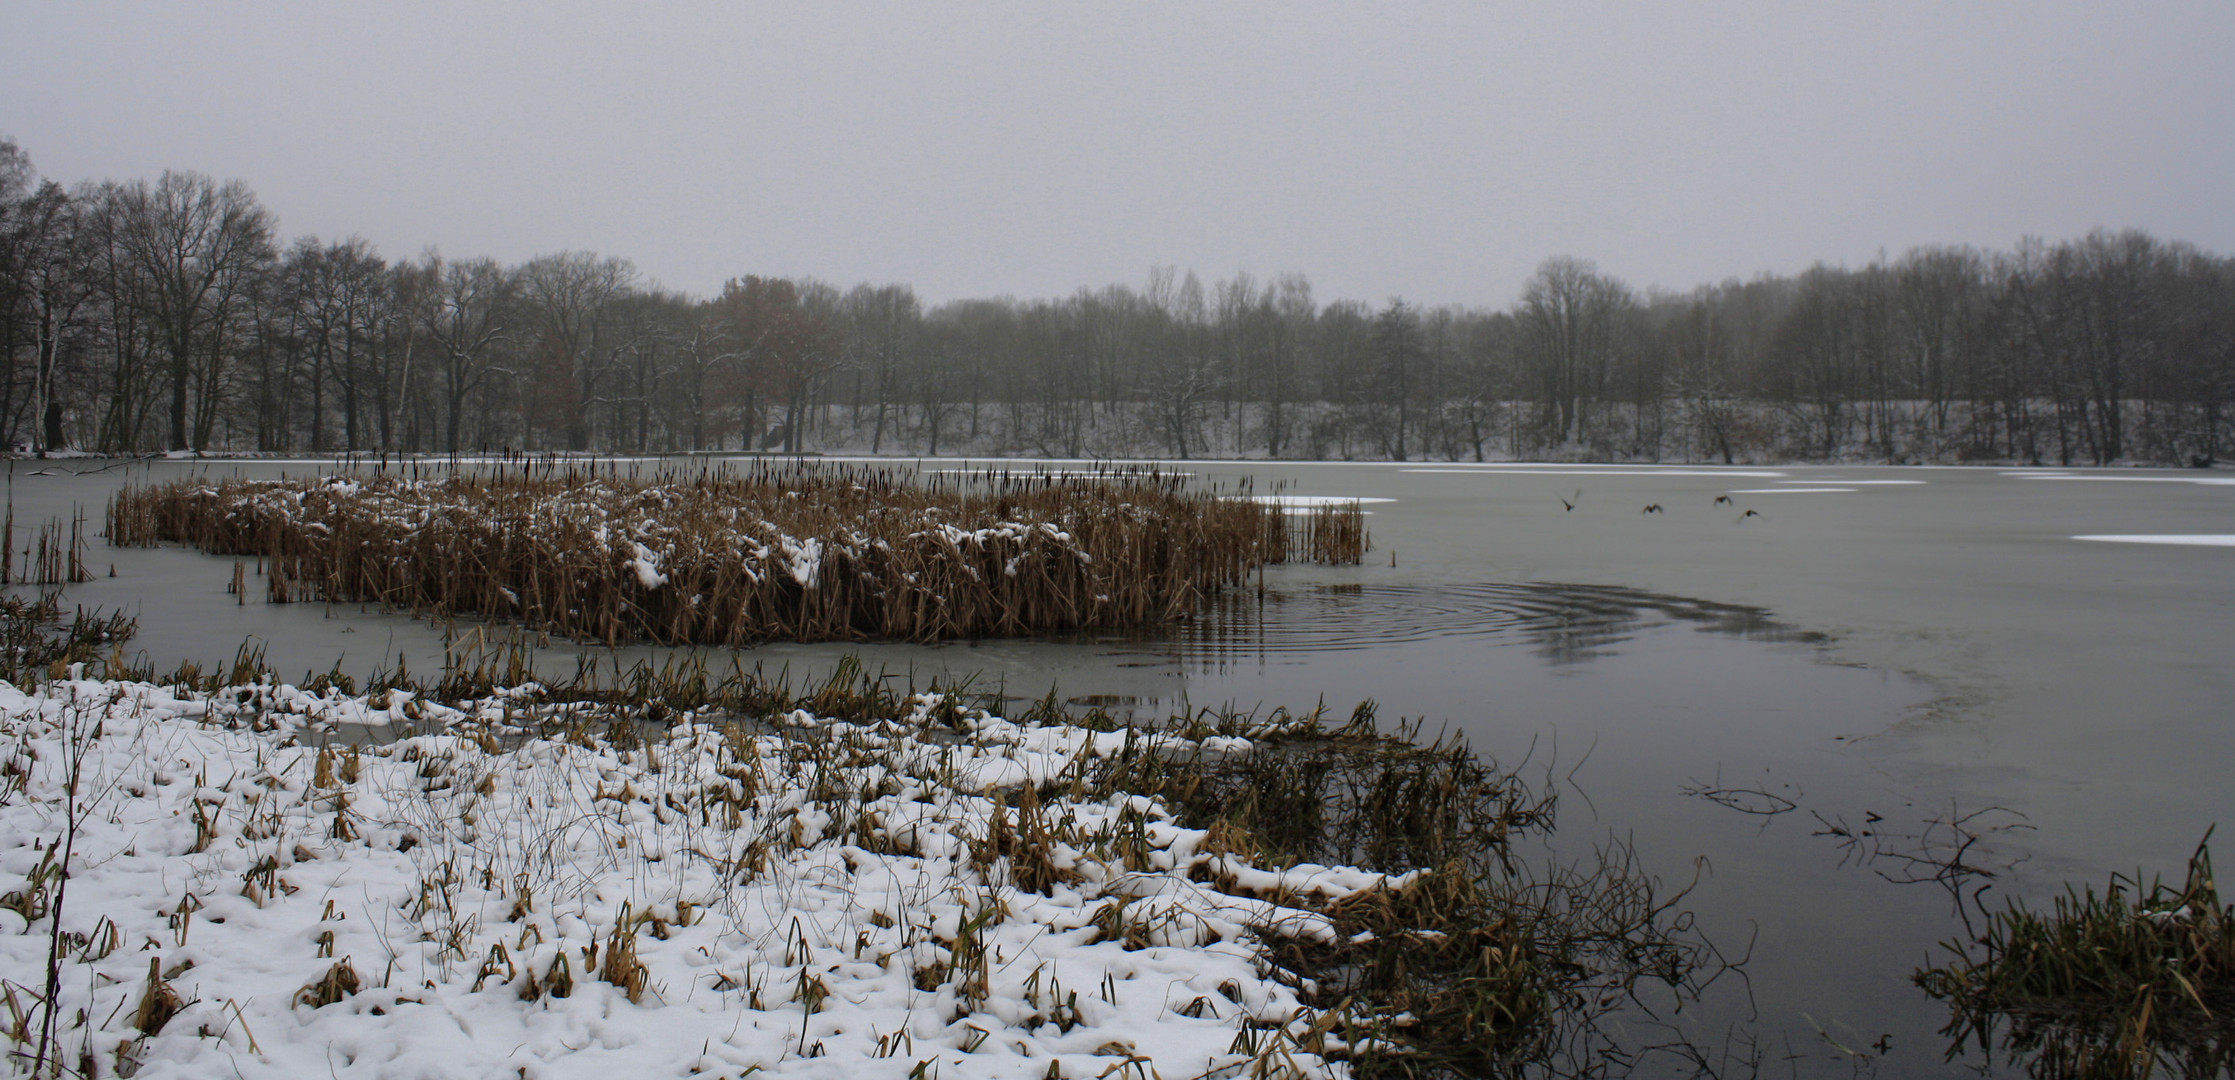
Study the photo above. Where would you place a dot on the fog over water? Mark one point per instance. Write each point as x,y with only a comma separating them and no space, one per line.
1883,648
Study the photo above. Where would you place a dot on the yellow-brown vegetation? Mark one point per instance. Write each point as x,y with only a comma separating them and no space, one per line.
796,553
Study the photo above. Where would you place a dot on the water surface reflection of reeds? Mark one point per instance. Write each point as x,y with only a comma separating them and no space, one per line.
1564,624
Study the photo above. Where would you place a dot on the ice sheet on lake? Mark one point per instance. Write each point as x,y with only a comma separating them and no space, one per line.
1586,470
1053,474
1795,491
2189,539
2208,481
1314,500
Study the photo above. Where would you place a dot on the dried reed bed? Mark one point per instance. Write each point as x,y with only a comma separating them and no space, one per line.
1333,534
793,553
48,558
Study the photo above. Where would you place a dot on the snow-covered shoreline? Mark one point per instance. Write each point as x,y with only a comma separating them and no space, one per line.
809,898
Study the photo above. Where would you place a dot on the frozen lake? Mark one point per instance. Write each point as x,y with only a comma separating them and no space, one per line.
1879,648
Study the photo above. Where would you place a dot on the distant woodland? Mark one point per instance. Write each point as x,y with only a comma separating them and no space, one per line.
171,314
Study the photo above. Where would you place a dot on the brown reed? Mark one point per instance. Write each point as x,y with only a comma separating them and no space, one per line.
798,553
55,557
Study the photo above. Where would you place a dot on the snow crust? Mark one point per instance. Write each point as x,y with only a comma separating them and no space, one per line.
804,901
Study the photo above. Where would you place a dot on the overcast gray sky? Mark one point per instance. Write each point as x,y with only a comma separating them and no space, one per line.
1432,151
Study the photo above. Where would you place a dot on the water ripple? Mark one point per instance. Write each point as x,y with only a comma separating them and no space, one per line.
1564,623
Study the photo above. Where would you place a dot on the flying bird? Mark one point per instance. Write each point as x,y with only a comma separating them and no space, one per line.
1748,514
1570,503
1722,500
1651,508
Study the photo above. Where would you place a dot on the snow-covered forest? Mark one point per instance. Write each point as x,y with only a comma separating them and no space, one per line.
140,315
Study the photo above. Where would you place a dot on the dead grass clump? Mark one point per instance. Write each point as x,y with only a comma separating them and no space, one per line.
37,643
558,982
621,967
158,1001
1462,971
339,981
799,553
2117,984
1349,798
1474,965
1024,838
1473,991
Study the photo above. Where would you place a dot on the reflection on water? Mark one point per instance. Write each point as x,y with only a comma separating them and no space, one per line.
1564,624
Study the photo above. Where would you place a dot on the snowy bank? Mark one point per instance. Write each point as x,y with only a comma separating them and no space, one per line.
817,898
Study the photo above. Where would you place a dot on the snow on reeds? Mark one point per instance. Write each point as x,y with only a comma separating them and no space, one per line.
201,883
796,553
824,898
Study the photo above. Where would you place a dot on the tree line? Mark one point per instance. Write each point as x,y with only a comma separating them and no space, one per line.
170,315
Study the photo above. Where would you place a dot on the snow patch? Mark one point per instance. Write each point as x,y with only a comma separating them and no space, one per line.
646,566
809,901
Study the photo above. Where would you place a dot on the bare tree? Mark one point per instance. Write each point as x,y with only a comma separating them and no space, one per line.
44,286
1570,312
465,309
787,350
1940,293
883,325
571,296
197,245
1288,311
1399,349
707,356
